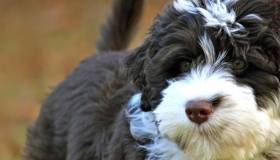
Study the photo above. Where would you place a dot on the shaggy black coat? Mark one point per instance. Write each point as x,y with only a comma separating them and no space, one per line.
84,118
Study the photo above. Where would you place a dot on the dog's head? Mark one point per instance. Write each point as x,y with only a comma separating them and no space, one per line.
209,70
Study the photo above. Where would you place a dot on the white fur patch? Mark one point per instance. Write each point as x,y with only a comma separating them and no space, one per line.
227,134
237,130
143,126
209,52
186,5
216,13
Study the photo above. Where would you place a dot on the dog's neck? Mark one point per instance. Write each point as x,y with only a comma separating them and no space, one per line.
144,130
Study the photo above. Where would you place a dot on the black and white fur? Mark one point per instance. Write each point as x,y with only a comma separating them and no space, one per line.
246,121
116,106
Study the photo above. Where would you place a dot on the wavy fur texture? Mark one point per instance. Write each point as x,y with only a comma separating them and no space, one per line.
208,50
116,106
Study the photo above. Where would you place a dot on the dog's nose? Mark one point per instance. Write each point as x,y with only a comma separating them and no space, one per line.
199,111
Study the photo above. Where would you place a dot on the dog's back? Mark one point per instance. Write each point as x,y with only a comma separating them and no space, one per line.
83,118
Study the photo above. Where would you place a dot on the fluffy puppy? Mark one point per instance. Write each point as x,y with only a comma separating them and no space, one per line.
209,79
203,86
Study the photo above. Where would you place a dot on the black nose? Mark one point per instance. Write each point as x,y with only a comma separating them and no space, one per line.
199,111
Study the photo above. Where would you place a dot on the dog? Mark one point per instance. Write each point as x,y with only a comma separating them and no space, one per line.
204,85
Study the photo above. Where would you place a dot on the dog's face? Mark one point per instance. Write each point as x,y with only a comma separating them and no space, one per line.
210,73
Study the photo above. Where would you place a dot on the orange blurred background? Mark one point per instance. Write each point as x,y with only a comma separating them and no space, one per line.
41,41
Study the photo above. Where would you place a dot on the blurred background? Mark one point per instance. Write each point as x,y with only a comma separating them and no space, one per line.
41,41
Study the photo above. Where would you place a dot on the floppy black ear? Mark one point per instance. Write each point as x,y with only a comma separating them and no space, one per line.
269,31
267,53
272,40
136,66
275,25
274,18
138,69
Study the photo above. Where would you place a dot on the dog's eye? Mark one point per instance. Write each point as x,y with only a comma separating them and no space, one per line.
239,66
185,66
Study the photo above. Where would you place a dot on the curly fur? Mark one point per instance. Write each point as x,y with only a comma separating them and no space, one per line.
117,107
156,60
249,111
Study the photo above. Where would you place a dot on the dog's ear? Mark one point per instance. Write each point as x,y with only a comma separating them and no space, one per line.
271,40
267,53
275,26
265,33
137,64
274,18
